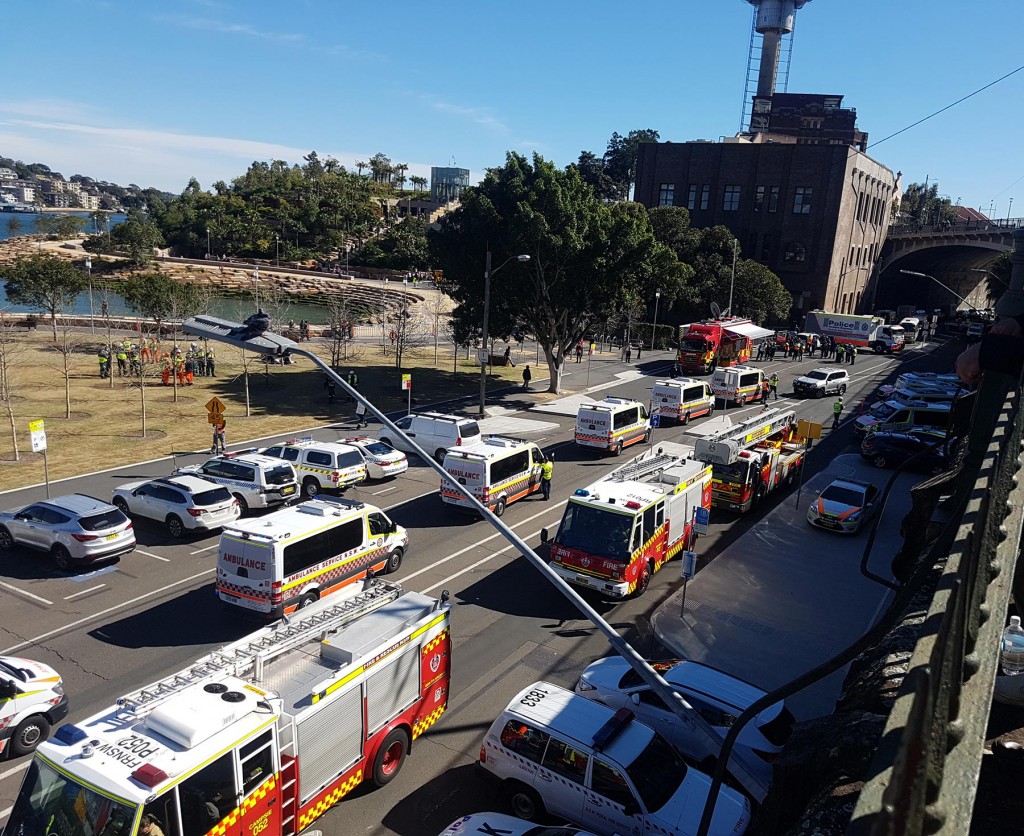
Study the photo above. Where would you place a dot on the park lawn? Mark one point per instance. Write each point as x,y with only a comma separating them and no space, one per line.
105,429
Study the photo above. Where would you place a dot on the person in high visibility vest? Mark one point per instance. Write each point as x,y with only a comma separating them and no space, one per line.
547,470
837,411
104,359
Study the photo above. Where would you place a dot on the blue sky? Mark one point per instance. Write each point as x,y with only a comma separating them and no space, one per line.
147,92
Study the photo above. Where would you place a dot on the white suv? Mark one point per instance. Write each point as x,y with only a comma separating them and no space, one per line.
255,481
321,465
821,382
183,503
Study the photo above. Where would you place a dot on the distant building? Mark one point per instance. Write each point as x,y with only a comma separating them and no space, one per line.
19,190
446,184
7,174
811,118
60,200
90,202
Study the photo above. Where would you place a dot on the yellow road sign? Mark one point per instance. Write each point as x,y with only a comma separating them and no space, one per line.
808,429
36,426
215,418
215,405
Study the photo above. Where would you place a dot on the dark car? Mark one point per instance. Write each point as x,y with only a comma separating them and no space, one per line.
892,449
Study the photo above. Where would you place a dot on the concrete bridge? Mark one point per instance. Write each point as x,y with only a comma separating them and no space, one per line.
957,254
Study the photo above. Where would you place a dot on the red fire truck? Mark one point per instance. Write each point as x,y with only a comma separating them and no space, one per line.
752,458
258,738
713,343
619,531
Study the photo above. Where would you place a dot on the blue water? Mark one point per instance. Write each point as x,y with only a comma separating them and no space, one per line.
28,223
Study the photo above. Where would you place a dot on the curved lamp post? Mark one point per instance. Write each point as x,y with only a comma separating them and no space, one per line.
485,356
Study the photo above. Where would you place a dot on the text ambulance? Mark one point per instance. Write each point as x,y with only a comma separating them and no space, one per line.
276,564
32,701
259,738
497,471
752,458
622,529
612,424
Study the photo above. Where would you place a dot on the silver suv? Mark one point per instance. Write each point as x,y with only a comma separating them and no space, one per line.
182,503
74,529
821,382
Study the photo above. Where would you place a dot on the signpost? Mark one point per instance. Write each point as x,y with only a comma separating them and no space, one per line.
37,432
216,409
701,520
689,570
407,386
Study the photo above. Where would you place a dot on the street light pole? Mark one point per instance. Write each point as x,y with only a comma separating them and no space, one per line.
92,312
256,281
654,327
485,355
940,284
207,243
277,249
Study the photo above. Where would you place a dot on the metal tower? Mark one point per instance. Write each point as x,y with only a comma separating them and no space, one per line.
774,21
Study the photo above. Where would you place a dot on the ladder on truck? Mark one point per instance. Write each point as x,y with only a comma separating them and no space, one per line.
754,429
251,653
638,468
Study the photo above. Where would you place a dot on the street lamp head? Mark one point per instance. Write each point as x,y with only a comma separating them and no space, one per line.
915,273
524,258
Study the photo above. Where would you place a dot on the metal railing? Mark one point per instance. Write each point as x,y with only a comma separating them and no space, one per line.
972,225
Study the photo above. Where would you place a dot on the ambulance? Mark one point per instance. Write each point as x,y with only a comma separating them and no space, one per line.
612,424
258,738
497,471
622,529
274,565
682,399
737,384
32,701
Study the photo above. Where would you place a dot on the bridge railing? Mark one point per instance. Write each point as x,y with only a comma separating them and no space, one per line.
972,225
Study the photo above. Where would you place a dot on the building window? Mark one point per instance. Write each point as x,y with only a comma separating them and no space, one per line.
705,196
691,197
802,200
758,198
773,199
731,199
796,252
666,195
767,247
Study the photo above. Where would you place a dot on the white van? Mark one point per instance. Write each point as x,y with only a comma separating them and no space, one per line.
555,752
32,702
737,384
612,424
497,471
278,563
682,399
321,464
432,431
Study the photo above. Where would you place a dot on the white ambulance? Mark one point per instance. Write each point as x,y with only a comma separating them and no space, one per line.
497,471
286,560
612,424
737,384
32,702
682,399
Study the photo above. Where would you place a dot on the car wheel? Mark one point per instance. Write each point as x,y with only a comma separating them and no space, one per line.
6,540
121,506
499,508
819,393
175,527
394,561
306,600
643,581
879,348
310,487
842,389
243,506
525,802
62,558
879,461
617,449
29,734
685,419
439,455
390,757
647,437
711,410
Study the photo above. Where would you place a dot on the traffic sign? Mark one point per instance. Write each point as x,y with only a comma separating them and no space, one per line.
701,520
482,355
406,382
689,565
655,421
37,431
215,418
215,405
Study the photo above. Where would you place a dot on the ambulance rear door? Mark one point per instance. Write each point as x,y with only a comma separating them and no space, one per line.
246,571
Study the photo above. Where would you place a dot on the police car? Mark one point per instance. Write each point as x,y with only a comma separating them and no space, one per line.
255,481
382,461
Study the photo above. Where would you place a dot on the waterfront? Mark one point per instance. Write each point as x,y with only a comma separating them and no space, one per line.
27,220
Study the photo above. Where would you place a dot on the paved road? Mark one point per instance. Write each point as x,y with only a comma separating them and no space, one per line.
114,629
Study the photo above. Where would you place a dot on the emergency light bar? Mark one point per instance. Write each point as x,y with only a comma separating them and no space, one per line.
70,734
615,725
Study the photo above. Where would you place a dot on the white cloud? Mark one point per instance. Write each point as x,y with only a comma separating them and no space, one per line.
206,24
479,115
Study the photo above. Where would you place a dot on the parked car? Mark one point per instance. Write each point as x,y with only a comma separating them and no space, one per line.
821,382
75,529
382,461
499,824
183,503
924,445
718,697
844,506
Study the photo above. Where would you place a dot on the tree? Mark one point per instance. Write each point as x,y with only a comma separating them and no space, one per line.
341,317
45,281
67,346
419,183
586,258
620,158
592,171
11,349
14,226
922,204
61,226
158,297
137,236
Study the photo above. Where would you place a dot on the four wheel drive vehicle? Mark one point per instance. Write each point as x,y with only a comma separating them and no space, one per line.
432,431
558,753
32,702
612,424
183,503
718,697
681,399
76,529
499,824
497,472
288,559
844,506
821,382
321,465
382,461
928,449
256,481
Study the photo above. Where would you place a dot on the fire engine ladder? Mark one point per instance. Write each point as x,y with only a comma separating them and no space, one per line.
639,468
760,426
251,653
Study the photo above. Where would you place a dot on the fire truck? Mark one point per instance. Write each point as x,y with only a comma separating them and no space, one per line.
260,737
752,458
622,529
713,343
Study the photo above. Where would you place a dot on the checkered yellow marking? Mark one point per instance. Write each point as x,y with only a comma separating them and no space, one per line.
425,723
231,819
434,642
330,799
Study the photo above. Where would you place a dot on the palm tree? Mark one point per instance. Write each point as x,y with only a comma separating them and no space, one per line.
400,178
360,165
419,183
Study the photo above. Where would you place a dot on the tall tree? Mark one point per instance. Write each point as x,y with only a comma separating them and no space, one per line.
45,281
921,203
586,257
592,171
620,158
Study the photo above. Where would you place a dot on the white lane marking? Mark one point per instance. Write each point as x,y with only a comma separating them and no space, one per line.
386,490
154,556
207,549
26,594
478,563
14,770
479,543
84,592
101,613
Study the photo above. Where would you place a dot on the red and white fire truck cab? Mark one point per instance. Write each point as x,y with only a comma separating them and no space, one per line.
260,737
619,531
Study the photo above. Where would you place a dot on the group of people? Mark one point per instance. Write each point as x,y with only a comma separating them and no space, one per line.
303,329
131,358
796,348
185,366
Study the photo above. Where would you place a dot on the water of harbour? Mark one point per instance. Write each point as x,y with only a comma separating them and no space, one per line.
27,223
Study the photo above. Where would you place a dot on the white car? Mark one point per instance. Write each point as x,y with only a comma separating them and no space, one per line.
821,382
382,461
718,697
844,506
502,825
183,503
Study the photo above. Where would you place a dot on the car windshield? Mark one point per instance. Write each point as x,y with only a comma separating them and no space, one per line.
378,448
816,375
735,472
657,773
694,344
882,411
212,496
51,802
280,475
844,496
103,520
596,531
